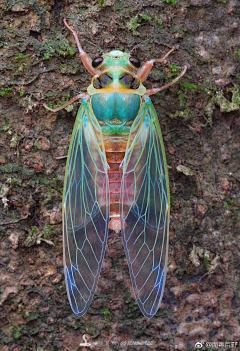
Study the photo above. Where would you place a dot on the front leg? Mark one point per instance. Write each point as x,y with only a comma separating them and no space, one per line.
144,71
86,59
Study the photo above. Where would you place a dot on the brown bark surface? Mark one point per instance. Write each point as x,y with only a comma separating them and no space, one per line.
200,122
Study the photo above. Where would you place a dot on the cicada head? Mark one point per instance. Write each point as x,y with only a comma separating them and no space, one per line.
116,91
117,58
117,73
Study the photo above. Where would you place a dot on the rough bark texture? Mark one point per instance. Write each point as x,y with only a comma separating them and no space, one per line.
200,122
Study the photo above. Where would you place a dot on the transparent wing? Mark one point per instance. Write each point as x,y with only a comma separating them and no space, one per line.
145,209
85,210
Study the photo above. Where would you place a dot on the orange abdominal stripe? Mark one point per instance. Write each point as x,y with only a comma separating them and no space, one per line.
115,157
115,177
115,147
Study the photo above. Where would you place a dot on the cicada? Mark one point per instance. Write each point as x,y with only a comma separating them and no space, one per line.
116,178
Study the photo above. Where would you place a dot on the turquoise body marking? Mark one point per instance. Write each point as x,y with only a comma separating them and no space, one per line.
115,106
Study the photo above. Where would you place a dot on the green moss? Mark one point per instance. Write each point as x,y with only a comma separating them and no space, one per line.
38,145
20,69
179,30
6,92
71,51
133,25
183,94
36,236
183,114
158,20
48,231
16,331
69,67
13,181
173,2
34,178
181,97
21,57
56,180
162,314
173,199
230,206
56,45
194,191
14,141
145,17
207,261
47,56
106,311
225,105
175,70
127,298
187,86
31,317
21,91
181,272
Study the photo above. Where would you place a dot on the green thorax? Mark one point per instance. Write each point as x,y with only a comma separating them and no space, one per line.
116,93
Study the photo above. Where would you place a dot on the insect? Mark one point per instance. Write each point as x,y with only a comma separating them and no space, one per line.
116,178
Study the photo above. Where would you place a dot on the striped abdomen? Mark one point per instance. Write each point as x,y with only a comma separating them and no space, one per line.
115,147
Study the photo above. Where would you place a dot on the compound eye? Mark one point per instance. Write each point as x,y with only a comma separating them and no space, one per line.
129,82
103,81
135,61
97,61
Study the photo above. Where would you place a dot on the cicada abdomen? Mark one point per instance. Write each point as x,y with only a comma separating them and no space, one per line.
116,178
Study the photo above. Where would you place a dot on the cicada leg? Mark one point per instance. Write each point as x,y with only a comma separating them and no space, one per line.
144,71
157,90
86,59
79,96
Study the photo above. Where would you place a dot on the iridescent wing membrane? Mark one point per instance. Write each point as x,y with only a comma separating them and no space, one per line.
145,209
85,210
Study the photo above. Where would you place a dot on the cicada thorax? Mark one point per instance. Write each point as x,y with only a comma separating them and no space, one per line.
116,99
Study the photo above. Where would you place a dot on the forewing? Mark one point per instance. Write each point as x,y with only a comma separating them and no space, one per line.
85,210
145,210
